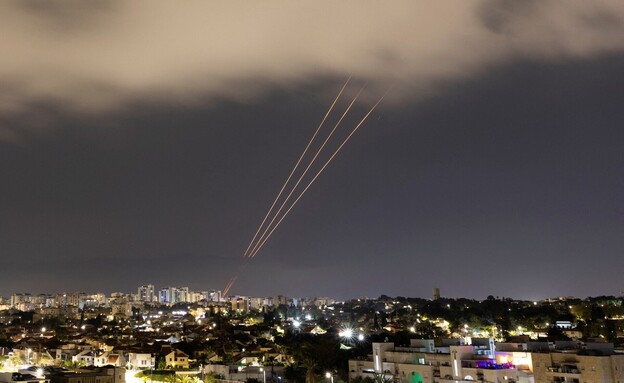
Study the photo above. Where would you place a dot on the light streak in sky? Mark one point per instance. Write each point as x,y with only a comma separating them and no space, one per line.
257,243
259,246
306,171
230,284
297,165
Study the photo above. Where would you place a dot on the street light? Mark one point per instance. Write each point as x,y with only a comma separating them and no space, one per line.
263,374
330,376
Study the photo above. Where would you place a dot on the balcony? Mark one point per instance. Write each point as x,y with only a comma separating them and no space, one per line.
564,380
564,374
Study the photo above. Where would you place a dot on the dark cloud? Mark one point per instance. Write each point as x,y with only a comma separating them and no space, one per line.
105,56
499,16
65,15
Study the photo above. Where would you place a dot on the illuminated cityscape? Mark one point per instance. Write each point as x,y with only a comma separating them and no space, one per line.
131,337
312,192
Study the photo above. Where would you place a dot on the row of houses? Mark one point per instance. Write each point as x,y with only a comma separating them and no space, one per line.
85,354
106,374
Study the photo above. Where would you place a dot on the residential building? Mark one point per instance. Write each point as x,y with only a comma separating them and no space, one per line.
424,363
592,364
146,293
177,359
240,304
531,362
106,374
111,358
87,357
139,361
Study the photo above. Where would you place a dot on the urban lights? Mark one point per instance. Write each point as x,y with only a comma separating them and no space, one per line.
346,333
329,376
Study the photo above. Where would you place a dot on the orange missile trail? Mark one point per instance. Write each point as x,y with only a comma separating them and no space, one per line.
254,251
297,165
229,285
244,262
253,254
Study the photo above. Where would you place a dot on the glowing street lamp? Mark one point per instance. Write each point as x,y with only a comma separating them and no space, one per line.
330,376
346,333
263,374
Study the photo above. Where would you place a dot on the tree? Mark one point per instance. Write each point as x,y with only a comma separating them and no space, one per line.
382,377
70,365
16,359
610,330
315,353
555,333
45,360
309,363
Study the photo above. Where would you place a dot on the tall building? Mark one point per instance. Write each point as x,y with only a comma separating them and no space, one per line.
146,293
182,294
436,293
240,304
165,295
196,296
21,301
279,300
215,296
173,295
323,301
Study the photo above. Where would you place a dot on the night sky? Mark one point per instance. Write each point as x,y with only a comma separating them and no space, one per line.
144,145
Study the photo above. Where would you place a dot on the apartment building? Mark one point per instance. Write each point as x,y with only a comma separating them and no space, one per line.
484,361
423,362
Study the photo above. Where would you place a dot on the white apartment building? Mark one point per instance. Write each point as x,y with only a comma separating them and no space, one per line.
483,361
422,362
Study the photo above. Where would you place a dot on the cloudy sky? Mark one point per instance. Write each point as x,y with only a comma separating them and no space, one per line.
144,142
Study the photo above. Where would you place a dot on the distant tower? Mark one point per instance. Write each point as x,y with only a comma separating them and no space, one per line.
146,293
436,293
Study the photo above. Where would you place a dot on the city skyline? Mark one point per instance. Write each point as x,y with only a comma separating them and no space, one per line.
151,293
146,143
